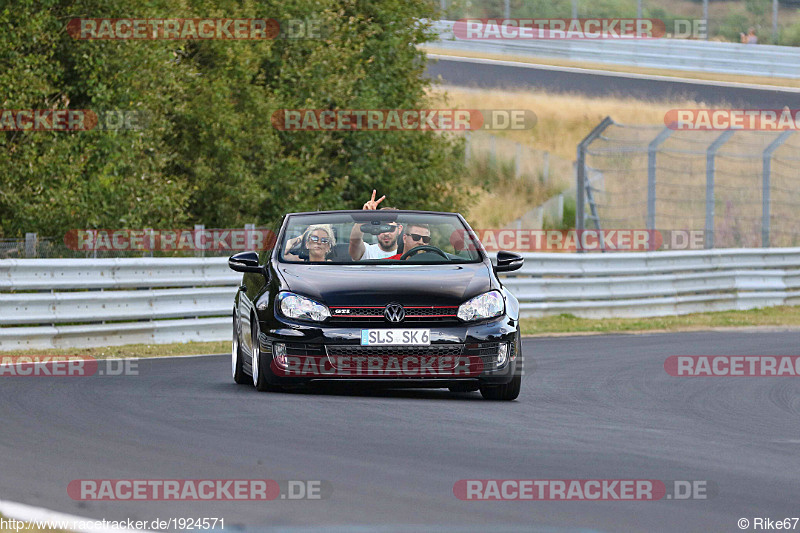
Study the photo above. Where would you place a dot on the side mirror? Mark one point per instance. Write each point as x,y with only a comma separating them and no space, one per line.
245,262
508,261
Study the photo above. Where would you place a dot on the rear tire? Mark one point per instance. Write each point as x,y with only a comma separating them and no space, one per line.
504,393
237,360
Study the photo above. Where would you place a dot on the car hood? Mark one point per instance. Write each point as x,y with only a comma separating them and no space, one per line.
357,285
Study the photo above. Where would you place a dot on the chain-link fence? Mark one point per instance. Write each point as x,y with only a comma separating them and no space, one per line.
742,188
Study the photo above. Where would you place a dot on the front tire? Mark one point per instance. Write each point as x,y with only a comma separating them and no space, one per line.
260,370
237,360
504,393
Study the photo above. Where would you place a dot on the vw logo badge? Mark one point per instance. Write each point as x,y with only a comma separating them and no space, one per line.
394,313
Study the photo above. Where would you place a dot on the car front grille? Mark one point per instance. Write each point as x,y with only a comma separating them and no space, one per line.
435,350
375,314
353,360
442,357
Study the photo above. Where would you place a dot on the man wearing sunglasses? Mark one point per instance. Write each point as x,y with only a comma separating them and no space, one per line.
387,242
414,235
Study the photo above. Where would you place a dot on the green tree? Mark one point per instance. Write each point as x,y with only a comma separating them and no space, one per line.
209,153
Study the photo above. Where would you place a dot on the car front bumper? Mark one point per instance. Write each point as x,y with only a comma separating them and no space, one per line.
458,353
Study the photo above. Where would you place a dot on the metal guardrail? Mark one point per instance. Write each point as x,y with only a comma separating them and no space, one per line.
68,303
656,283
680,54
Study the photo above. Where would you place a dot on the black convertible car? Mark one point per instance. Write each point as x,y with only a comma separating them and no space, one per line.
401,298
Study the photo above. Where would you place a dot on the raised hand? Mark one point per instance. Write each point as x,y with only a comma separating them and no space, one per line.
373,203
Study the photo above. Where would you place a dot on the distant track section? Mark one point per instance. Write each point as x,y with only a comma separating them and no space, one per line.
497,74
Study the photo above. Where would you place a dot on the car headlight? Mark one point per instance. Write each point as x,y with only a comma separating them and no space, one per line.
487,305
296,306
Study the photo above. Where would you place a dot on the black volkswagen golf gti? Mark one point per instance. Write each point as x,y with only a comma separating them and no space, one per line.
420,305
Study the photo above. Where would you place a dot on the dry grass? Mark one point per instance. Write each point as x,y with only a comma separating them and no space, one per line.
563,119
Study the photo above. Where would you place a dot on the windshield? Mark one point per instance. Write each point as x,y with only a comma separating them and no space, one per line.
377,237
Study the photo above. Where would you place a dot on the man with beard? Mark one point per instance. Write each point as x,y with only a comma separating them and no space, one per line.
387,242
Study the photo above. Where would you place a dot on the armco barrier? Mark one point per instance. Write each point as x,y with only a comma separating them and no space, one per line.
656,283
680,54
67,303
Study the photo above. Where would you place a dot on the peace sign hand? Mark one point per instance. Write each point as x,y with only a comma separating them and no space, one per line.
372,204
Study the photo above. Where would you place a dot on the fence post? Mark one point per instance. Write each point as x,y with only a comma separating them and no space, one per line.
507,9
467,146
198,229
580,184
492,151
774,21
546,170
710,168
31,241
766,170
652,151
248,232
518,161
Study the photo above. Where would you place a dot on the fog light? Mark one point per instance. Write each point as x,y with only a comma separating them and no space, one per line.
502,354
279,353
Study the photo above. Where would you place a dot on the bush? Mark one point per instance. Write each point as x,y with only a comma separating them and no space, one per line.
210,154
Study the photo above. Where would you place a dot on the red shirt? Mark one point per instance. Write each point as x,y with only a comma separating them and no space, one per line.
396,256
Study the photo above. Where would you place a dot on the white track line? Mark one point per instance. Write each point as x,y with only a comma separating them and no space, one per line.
28,513
613,74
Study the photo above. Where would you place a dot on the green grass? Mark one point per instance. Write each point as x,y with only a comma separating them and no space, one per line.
134,350
565,324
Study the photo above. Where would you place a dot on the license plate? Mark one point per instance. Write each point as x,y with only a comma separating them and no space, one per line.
395,337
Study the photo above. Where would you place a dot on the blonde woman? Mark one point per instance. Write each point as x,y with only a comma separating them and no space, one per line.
317,239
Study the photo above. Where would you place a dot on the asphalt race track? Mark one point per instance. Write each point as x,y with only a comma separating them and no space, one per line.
593,407
501,75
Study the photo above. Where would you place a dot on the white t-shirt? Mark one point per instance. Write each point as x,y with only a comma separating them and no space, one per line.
374,251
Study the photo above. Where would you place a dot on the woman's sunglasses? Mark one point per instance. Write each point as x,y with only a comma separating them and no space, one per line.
323,240
425,238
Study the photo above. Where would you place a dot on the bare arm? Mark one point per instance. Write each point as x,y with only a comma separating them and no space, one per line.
357,247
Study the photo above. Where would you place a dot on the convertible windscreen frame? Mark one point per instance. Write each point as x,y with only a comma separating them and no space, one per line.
470,253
